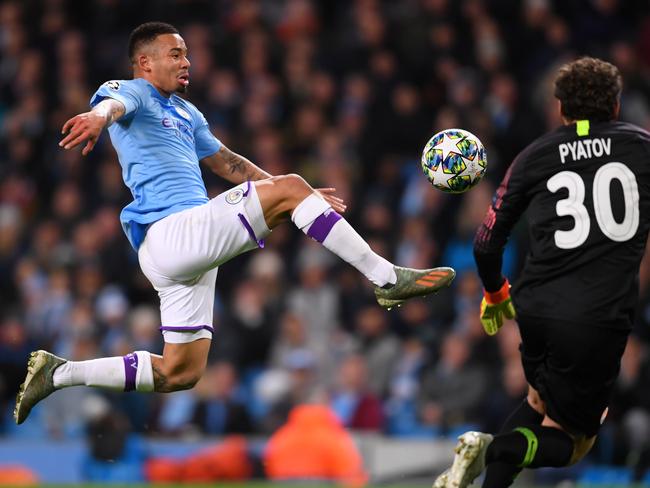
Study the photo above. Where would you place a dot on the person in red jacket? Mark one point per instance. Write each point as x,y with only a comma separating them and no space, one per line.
313,445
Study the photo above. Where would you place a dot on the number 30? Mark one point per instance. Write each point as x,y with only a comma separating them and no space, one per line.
573,205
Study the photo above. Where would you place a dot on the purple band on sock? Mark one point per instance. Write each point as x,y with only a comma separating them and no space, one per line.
192,328
130,371
323,225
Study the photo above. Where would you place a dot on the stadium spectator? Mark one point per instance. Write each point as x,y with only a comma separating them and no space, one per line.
313,446
453,389
354,403
219,410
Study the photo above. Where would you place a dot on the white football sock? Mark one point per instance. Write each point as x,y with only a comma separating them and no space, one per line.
127,373
315,217
144,378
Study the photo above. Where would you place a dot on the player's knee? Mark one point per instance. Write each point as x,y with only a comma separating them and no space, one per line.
293,185
536,402
289,190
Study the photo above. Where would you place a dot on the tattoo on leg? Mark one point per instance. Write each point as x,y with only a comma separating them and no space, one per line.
163,384
160,381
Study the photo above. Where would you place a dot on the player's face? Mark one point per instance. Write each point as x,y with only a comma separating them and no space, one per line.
169,64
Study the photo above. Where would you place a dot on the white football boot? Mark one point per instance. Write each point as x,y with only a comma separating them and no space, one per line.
469,461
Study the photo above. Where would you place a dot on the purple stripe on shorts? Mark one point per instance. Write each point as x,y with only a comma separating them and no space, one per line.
251,232
193,328
323,225
130,371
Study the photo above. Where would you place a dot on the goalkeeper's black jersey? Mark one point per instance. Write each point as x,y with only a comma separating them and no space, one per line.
588,208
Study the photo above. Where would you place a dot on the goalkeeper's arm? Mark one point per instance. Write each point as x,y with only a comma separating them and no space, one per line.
507,206
496,306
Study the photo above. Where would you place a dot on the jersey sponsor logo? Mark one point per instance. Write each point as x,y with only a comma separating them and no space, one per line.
585,149
181,128
235,196
113,85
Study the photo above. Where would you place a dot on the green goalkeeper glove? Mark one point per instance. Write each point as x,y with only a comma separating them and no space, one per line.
494,307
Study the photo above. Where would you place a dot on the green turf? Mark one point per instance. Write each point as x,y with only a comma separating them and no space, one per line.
212,485
287,485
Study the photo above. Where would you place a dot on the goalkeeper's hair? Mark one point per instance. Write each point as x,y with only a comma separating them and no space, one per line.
588,89
146,33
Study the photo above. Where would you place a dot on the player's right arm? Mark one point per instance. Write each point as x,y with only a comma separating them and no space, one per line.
87,127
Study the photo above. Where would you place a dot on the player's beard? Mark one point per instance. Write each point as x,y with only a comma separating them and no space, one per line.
182,89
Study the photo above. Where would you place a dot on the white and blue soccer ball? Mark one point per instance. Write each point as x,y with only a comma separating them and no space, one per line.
454,160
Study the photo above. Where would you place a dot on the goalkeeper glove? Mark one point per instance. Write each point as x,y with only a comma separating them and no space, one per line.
495,306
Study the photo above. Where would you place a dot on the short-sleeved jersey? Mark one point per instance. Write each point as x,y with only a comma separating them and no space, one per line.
159,142
587,198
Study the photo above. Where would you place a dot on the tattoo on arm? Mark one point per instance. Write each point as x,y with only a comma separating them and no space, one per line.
234,162
239,168
110,109
117,110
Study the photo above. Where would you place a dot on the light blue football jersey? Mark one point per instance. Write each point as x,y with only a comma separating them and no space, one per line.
159,142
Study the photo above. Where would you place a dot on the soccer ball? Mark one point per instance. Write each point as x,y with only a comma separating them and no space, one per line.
454,160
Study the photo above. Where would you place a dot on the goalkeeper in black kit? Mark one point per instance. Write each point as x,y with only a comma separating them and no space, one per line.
586,189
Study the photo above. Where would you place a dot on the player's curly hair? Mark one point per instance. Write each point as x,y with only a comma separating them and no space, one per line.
145,33
588,89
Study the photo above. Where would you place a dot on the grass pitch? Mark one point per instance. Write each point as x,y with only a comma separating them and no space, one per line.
299,485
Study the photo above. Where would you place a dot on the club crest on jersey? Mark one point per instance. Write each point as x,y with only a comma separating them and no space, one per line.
113,85
183,113
235,196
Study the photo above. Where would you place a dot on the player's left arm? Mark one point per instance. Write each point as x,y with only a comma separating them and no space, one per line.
508,203
234,167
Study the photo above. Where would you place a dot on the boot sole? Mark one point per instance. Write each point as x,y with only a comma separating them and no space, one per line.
389,303
467,450
37,360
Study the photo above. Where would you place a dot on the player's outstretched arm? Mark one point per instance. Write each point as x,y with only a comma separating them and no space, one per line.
87,127
233,167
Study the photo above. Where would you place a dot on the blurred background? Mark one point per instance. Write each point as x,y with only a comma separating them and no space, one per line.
345,93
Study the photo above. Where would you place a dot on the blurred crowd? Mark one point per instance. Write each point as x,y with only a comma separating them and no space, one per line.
345,93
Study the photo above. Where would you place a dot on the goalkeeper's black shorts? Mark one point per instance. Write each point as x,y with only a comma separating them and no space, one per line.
573,367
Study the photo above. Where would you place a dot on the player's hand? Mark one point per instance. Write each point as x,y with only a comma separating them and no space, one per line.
82,128
335,202
494,307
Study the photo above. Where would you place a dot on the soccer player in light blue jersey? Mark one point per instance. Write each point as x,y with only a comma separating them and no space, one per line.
180,235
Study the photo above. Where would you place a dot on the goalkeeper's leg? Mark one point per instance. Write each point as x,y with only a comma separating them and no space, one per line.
529,412
532,445
179,368
537,446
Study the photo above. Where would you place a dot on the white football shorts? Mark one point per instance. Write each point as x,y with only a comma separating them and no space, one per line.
181,253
